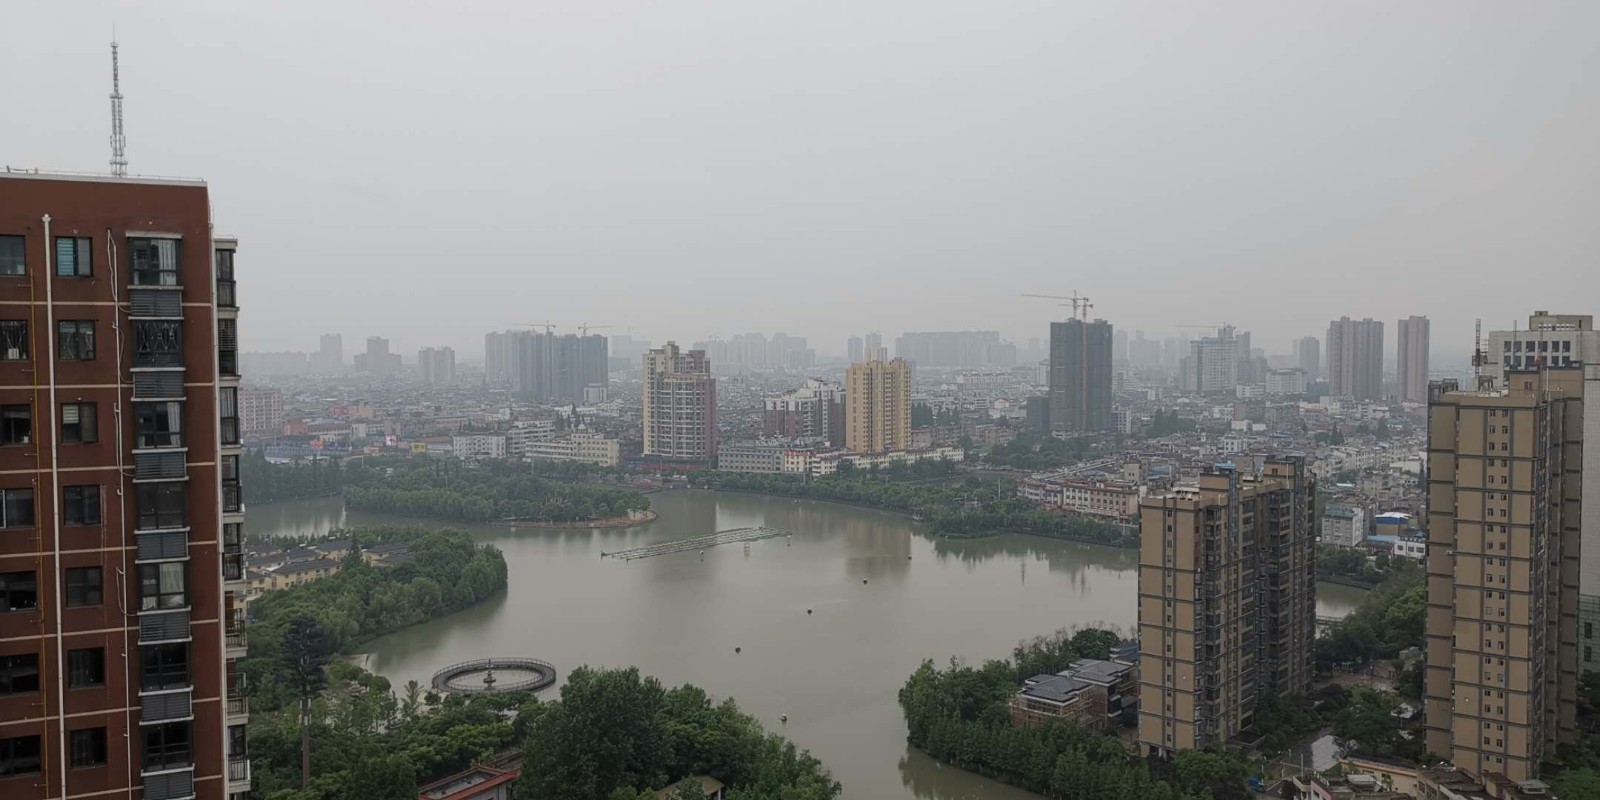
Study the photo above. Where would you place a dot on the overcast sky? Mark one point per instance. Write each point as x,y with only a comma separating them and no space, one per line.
430,171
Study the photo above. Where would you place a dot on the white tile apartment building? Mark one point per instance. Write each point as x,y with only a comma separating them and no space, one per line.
1344,525
584,447
478,446
260,410
1108,499
1556,340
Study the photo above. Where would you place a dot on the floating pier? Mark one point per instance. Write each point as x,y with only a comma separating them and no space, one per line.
730,536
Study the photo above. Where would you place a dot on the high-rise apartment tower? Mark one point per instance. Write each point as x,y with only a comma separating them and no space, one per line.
1355,358
1080,375
1227,602
1505,500
121,564
680,405
1308,353
877,404
1412,364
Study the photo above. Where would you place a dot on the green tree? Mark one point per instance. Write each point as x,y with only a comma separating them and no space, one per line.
307,649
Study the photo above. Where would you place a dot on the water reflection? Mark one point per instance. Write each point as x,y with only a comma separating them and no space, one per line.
931,780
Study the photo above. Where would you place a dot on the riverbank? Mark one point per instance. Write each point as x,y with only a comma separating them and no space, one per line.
626,521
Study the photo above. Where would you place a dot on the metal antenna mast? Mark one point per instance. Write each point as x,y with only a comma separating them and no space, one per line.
119,158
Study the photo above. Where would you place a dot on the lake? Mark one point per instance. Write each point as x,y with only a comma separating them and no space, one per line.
882,597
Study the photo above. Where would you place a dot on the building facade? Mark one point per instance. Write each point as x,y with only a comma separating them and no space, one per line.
1308,355
437,364
583,447
378,360
815,409
546,367
1344,525
475,446
260,411
1285,382
120,304
680,405
1213,363
1355,358
877,400
1227,602
954,349
330,354
1504,508
1080,375
756,457
1556,340
1412,363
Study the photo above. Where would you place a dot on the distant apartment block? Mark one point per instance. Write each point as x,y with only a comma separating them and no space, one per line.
817,464
545,367
1080,376
525,433
1505,506
1212,366
476,446
1344,525
813,410
330,354
1355,358
680,405
260,411
378,360
1098,498
437,364
955,349
1308,354
1286,382
1227,602
1412,361
755,351
761,457
1553,340
877,400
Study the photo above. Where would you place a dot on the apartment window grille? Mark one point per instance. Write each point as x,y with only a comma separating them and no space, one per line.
163,586
162,505
74,257
16,508
228,414
86,667
80,505
228,347
154,262
226,289
79,423
164,666
19,673
13,254
85,586
19,591
89,747
157,343
13,340
75,340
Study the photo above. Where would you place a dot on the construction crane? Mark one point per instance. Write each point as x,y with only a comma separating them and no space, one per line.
548,326
584,329
1080,305
1480,359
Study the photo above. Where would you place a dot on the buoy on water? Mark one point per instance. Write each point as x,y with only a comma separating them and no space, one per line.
808,611
738,649
784,718
863,580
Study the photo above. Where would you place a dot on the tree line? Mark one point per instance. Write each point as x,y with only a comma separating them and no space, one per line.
959,715
1030,451
448,489
966,509
266,482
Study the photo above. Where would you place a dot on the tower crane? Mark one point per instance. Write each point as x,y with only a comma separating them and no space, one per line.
1080,304
548,326
584,329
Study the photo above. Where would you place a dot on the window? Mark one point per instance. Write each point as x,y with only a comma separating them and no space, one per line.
166,746
231,497
16,424
157,425
19,591
80,505
12,261
164,666
228,412
75,340
86,667
162,586
13,340
19,673
157,343
16,508
162,505
84,587
228,346
225,286
74,257
19,755
89,747
154,261
79,423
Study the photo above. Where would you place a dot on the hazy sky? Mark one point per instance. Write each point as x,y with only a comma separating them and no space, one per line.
430,171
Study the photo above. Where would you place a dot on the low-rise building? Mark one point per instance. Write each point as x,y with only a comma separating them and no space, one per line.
761,456
302,572
1091,692
474,446
1344,525
1100,498
490,780
583,447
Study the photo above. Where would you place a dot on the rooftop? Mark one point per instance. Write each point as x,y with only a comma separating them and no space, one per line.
18,173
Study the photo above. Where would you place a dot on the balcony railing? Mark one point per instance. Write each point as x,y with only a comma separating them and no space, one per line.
238,769
230,427
228,363
233,629
226,294
233,566
232,496
238,702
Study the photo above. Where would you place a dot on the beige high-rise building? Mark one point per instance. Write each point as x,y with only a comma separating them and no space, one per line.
680,404
1504,502
877,404
1412,363
1355,358
1227,602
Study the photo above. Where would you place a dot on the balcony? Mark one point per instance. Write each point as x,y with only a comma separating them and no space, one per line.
233,630
238,704
226,294
162,546
175,783
233,567
168,706
232,496
164,626
238,769
229,427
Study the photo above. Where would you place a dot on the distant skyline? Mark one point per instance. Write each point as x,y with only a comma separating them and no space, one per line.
430,173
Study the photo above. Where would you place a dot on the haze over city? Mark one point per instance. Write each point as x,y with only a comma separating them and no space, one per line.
430,171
